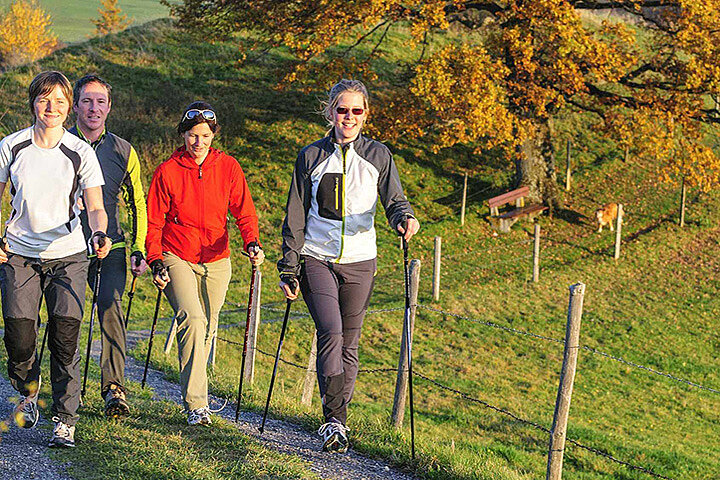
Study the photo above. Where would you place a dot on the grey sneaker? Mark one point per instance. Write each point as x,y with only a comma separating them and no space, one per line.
115,402
26,413
334,437
63,435
199,416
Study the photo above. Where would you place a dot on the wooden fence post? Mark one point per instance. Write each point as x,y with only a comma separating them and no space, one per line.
683,192
253,330
310,374
398,411
568,170
464,200
536,255
567,377
437,258
627,154
618,231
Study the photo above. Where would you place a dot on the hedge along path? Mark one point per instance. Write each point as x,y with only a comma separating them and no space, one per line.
283,437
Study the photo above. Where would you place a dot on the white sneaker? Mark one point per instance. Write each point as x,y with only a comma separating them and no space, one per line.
199,416
334,437
26,413
63,435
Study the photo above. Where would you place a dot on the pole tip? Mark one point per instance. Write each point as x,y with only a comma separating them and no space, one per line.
577,289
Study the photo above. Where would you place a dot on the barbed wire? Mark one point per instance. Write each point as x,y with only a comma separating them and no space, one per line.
491,324
539,427
562,341
482,402
303,367
616,460
470,398
649,369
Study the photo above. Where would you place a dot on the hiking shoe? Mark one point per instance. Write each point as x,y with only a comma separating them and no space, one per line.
334,437
199,416
115,402
26,413
63,435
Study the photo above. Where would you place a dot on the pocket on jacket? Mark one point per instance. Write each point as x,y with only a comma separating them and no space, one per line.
330,196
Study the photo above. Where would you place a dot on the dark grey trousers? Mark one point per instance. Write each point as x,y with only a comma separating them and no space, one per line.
62,282
112,322
337,296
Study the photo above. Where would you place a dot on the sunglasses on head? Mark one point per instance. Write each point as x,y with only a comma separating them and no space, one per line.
345,110
194,112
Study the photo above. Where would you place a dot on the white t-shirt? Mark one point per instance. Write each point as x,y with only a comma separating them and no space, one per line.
45,184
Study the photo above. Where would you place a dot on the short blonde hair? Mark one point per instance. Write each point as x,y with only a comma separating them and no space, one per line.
44,83
338,89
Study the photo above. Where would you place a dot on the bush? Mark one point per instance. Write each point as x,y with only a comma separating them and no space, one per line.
111,20
25,33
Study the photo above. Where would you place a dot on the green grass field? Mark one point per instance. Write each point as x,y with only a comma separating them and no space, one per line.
657,306
71,18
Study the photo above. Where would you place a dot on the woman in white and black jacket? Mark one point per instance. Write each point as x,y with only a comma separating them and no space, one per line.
329,248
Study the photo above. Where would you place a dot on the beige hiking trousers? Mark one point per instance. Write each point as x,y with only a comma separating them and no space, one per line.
196,293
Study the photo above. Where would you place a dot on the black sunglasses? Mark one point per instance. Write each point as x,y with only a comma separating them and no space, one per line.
194,112
345,110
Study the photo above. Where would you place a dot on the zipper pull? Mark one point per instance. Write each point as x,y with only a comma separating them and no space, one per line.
200,172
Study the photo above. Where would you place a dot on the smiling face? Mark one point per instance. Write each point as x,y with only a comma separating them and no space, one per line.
51,109
92,108
347,125
198,140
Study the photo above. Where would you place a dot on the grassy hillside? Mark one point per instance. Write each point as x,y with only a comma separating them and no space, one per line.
657,306
71,18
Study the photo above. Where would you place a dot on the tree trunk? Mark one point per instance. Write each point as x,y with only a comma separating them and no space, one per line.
535,167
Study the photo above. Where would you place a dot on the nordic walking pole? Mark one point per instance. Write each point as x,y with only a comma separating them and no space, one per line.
93,310
42,347
247,331
152,334
277,358
408,341
131,294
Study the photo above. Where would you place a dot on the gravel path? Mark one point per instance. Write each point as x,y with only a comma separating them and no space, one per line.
279,435
24,452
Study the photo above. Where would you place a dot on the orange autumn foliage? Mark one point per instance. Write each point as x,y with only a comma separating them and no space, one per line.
25,33
646,70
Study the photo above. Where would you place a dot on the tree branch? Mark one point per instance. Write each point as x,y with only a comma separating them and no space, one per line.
366,35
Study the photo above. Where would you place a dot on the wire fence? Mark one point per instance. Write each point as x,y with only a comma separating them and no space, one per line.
473,399
562,341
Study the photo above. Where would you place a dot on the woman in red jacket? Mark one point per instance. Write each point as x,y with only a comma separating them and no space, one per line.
187,243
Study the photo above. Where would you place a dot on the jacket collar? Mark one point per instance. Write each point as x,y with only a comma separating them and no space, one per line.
184,159
78,133
360,140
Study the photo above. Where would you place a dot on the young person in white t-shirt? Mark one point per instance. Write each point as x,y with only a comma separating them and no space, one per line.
44,252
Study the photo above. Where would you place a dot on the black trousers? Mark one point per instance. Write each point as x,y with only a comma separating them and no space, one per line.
337,296
112,322
62,282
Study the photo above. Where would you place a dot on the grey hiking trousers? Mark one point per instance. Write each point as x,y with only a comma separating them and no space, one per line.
337,296
112,322
62,282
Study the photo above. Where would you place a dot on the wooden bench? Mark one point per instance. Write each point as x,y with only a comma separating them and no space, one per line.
504,221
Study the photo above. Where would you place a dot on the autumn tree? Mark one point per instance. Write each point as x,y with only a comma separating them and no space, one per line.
644,69
25,33
111,18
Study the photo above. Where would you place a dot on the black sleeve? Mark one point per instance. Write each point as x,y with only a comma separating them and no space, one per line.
391,194
293,229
